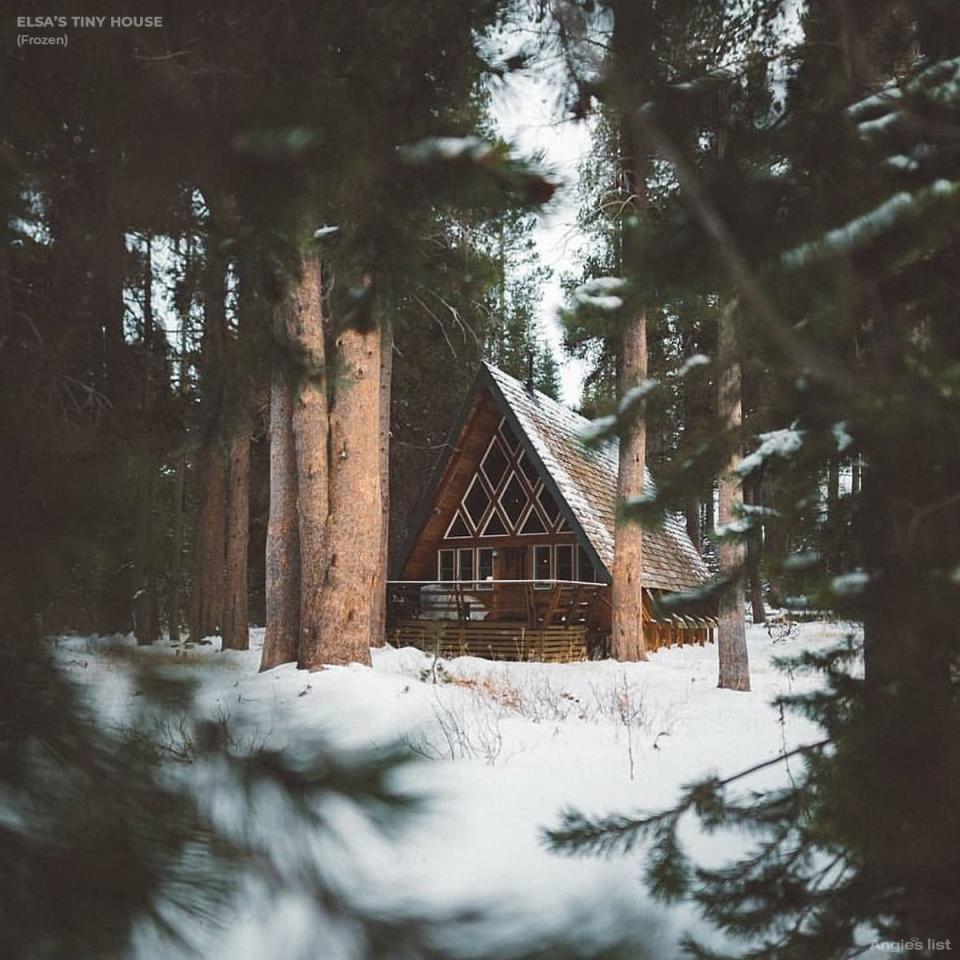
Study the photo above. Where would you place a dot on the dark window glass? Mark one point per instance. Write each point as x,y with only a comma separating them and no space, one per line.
585,570
494,527
549,505
513,500
485,567
495,465
445,569
542,566
532,524
466,564
458,528
529,471
565,562
476,502
510,438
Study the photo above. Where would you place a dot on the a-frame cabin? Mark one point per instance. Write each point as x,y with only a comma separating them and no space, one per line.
511,551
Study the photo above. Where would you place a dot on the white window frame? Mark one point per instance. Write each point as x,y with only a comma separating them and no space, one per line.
443,550
572,547
484,584
541,584
473,563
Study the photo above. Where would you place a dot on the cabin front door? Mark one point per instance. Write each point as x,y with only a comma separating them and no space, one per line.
512,600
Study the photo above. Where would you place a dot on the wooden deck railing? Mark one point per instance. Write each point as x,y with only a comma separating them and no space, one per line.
535,603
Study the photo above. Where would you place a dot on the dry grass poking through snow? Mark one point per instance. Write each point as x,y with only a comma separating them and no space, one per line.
468,725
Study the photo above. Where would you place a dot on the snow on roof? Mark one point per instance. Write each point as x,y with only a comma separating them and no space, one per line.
587,480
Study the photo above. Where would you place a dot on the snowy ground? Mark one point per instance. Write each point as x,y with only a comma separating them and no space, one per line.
505,748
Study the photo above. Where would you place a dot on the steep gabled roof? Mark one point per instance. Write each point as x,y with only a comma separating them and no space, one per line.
586,480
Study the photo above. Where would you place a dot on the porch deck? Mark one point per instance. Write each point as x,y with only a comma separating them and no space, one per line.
556,621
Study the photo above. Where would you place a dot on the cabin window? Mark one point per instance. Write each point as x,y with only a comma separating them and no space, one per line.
532,525
465,568
495,463
485,568
476,501
509,436
549,505
445,565
565,561
529,471
513,500
542,566
585,568
457,528
494,527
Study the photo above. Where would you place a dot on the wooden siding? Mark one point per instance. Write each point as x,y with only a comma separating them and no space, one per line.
478,427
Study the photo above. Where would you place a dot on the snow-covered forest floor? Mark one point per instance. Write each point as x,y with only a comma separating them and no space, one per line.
505,747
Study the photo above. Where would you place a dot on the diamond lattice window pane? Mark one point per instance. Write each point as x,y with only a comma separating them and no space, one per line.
549,505
495,464
476,501
529,471
510,438
513,500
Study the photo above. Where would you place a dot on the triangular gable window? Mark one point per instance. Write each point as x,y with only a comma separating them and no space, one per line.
494,527
532,524
457,528
529,471
549,505
509,437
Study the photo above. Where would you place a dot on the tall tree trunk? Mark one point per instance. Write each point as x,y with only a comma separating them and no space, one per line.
378,618
310,431
731,632
754,555
206,599
176,549
693,522
630,44
834,523
235,626
281,637
353,544
206,604
145,613
710,515
627,641
146,619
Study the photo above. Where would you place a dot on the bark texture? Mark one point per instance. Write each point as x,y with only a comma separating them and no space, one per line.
206,601
235,626
693,522
176,550
627,641
754,558
353,544
309,421
378,616
281,637
731,632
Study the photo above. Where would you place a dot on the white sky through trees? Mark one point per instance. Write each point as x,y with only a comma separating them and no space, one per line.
527,113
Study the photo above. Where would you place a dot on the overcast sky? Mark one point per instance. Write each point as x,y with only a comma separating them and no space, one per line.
527,114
